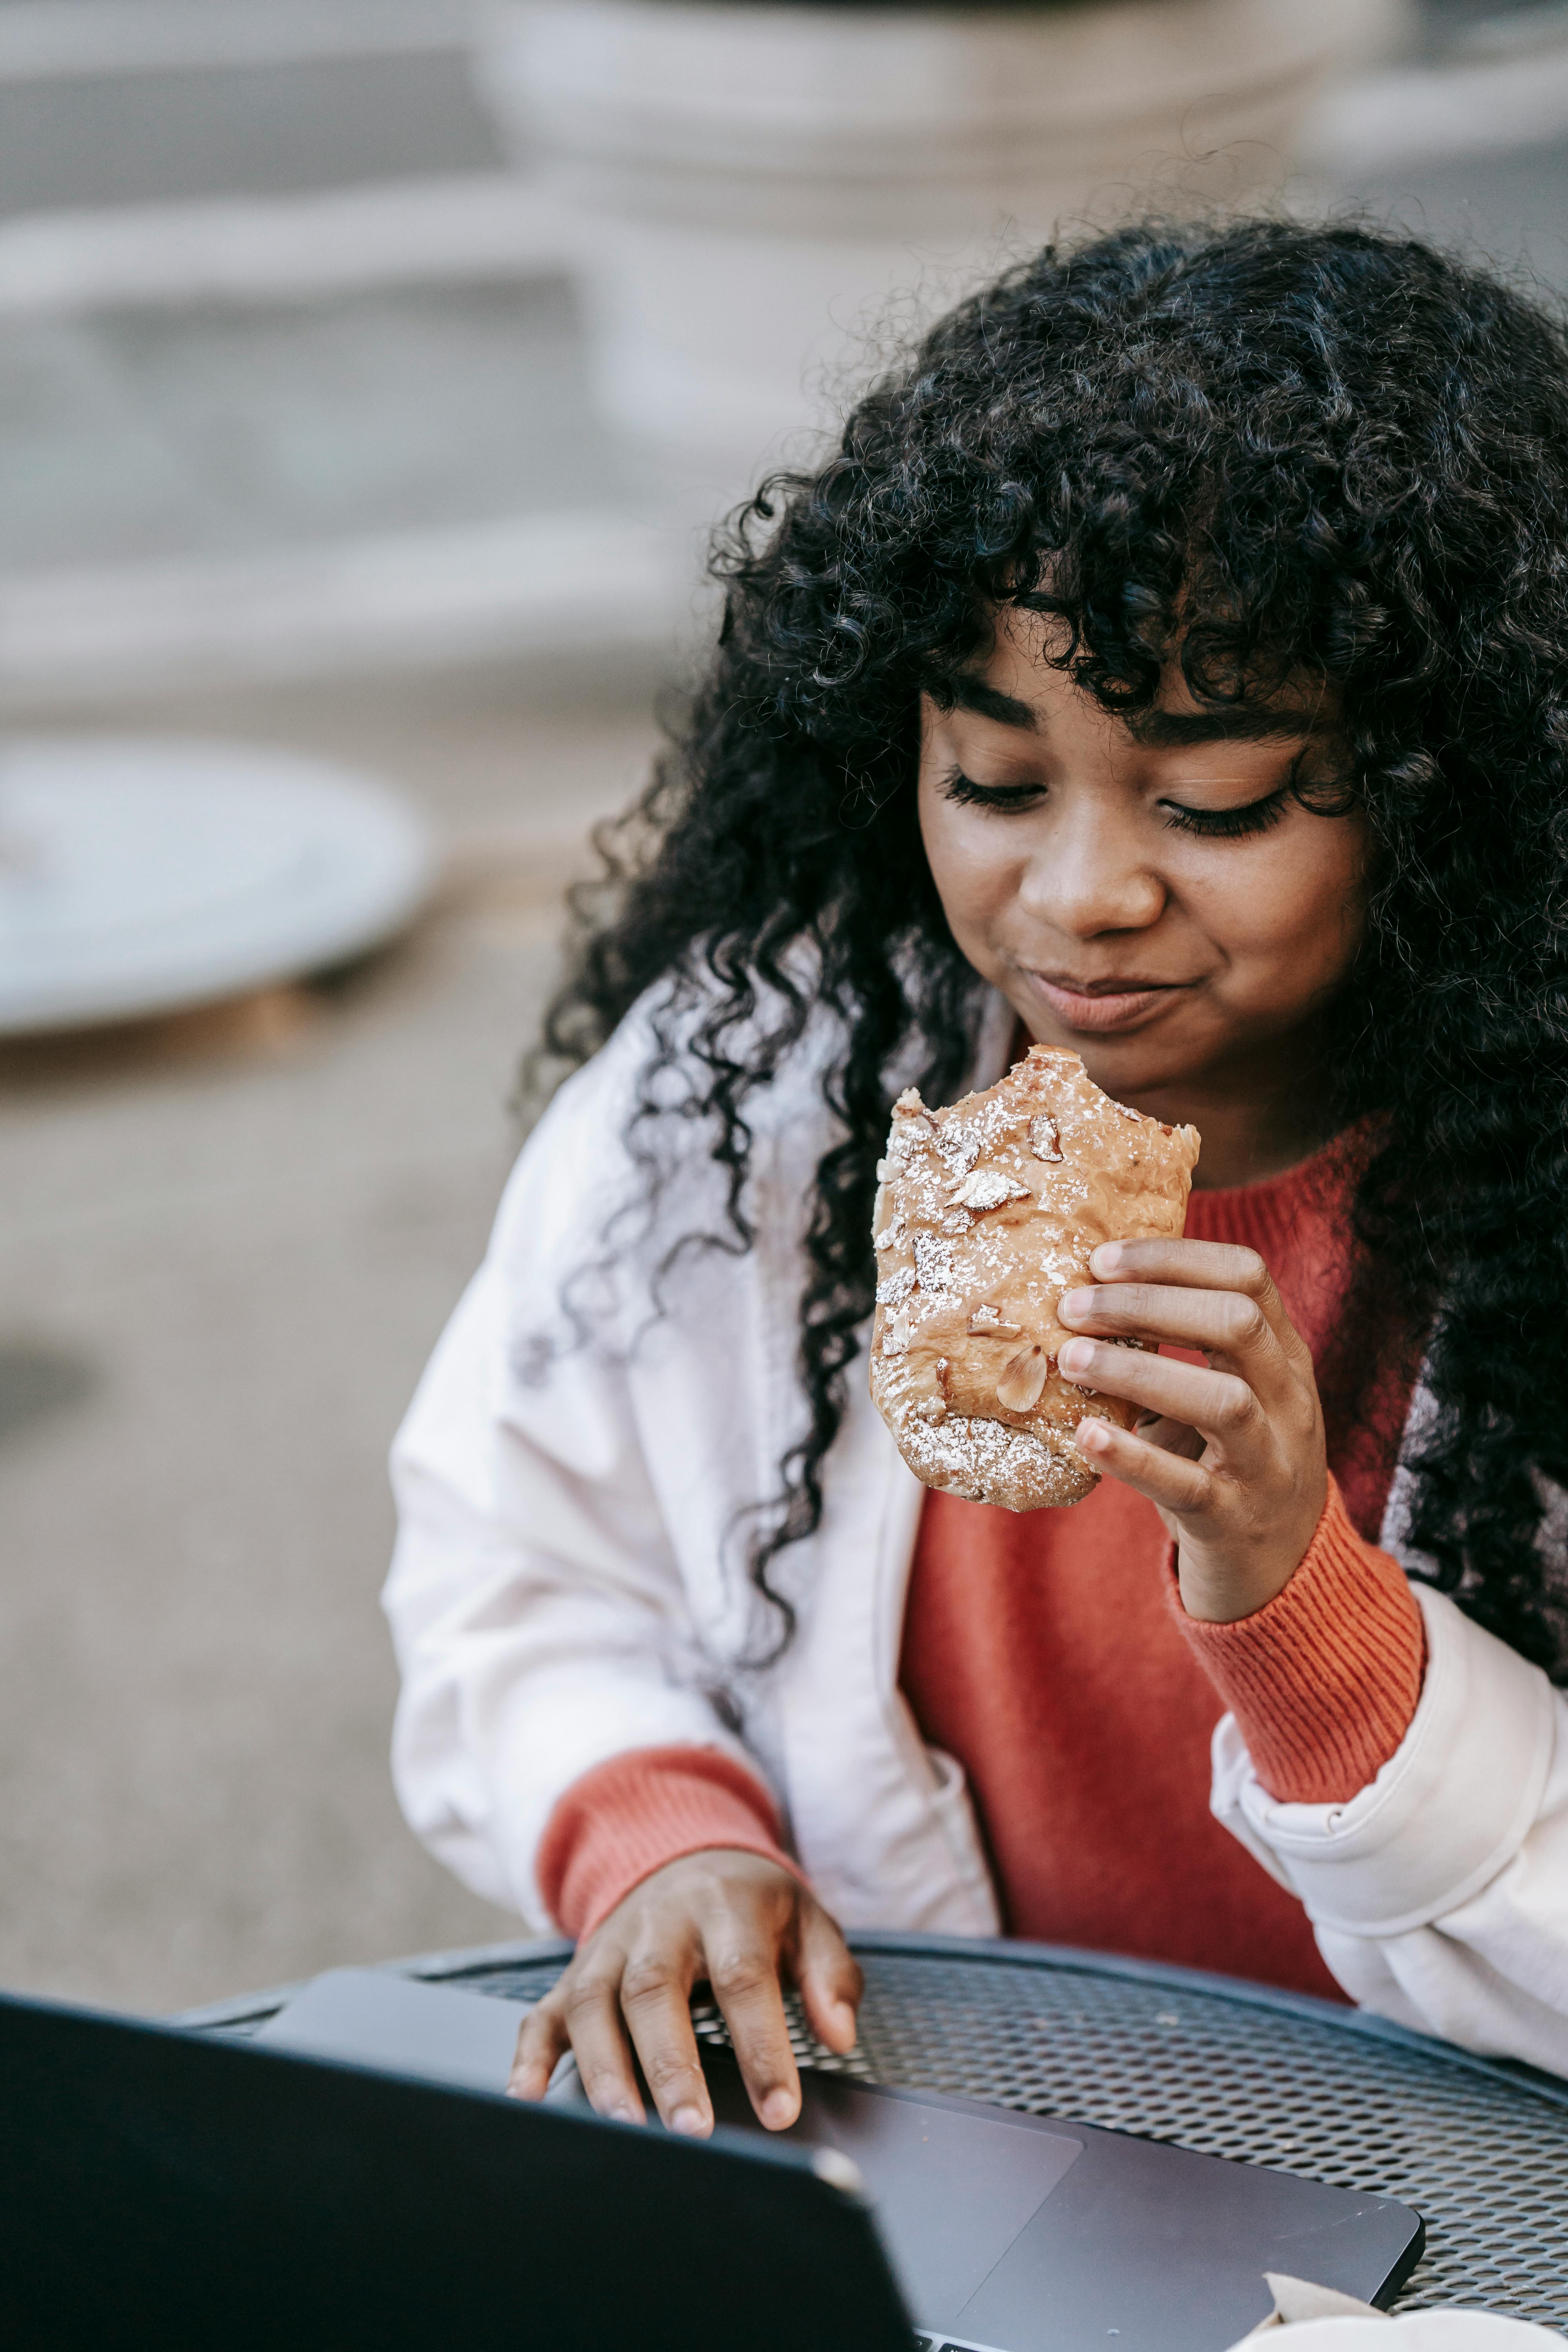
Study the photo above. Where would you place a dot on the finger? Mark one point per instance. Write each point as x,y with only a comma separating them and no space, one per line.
1171,1481
1171,1436
1216,1322
655,2000
1218,1403
599,2042
541,2043
745,1974
829,1979
1194,1265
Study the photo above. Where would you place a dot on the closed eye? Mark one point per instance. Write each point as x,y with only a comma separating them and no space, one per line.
1208,824
967,794
1232,824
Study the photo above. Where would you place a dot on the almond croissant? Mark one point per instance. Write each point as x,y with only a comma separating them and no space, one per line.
987,1214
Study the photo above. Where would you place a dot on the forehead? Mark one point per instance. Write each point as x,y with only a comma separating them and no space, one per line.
1016,684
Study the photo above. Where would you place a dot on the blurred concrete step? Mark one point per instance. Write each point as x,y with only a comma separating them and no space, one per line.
587,582
131,102
220,429
280,488
305,245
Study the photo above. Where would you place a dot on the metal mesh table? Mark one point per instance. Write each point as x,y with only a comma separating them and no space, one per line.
1479,2147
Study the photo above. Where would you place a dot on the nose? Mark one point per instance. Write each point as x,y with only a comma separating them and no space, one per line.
1089,873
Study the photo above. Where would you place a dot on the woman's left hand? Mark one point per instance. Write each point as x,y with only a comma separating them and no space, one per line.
1230,1451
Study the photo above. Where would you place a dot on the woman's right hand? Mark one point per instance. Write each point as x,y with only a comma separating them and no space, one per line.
733,1920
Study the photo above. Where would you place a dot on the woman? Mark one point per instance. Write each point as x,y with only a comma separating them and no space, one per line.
1171,664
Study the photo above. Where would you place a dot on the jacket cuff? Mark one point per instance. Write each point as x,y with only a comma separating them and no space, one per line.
1444,1816
1324,1680
629,1816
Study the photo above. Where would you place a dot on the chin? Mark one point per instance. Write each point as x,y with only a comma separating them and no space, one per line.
1142,1062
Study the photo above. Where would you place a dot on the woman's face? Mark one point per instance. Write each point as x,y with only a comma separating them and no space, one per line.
1145,891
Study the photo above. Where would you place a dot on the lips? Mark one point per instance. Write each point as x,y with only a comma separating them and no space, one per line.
1095,1007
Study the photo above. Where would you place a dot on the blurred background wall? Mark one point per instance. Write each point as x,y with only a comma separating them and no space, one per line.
368,370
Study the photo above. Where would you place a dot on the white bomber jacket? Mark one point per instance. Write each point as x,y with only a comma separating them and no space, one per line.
575,1495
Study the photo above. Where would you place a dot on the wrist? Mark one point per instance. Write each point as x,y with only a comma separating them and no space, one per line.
1221,1585
638,1811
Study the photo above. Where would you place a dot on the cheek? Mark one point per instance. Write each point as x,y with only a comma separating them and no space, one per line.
972,881
1294,910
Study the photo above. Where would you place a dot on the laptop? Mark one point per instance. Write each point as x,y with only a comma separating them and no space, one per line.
353,2175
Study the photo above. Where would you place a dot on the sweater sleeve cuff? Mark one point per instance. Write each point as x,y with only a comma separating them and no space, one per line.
629,1816
1323,1681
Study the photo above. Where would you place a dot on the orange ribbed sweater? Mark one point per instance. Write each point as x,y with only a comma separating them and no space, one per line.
1048,1652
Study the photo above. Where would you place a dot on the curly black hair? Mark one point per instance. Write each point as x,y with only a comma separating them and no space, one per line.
1258,446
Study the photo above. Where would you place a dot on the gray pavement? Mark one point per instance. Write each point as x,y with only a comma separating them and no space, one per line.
228,1245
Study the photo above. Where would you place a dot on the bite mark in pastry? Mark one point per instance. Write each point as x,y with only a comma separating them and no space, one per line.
987,1214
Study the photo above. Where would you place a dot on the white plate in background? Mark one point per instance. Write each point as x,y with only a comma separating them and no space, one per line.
140,874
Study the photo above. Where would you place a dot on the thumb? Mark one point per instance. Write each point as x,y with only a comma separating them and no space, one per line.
830,1978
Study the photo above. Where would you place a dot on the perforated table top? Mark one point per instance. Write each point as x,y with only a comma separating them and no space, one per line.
1479,2148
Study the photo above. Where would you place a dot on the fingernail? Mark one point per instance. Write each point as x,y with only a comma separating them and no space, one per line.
841,2017
778,2109
1075,1305
1091,1437
691,2120
1076,1356
625,2113
1106,1258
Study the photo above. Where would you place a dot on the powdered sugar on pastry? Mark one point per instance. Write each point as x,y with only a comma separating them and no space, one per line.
987,1214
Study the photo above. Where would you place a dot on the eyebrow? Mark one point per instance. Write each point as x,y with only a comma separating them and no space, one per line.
1231,723
1159,731
971,693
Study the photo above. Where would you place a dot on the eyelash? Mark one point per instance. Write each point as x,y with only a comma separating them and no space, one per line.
962,789
1229,825
1208,824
